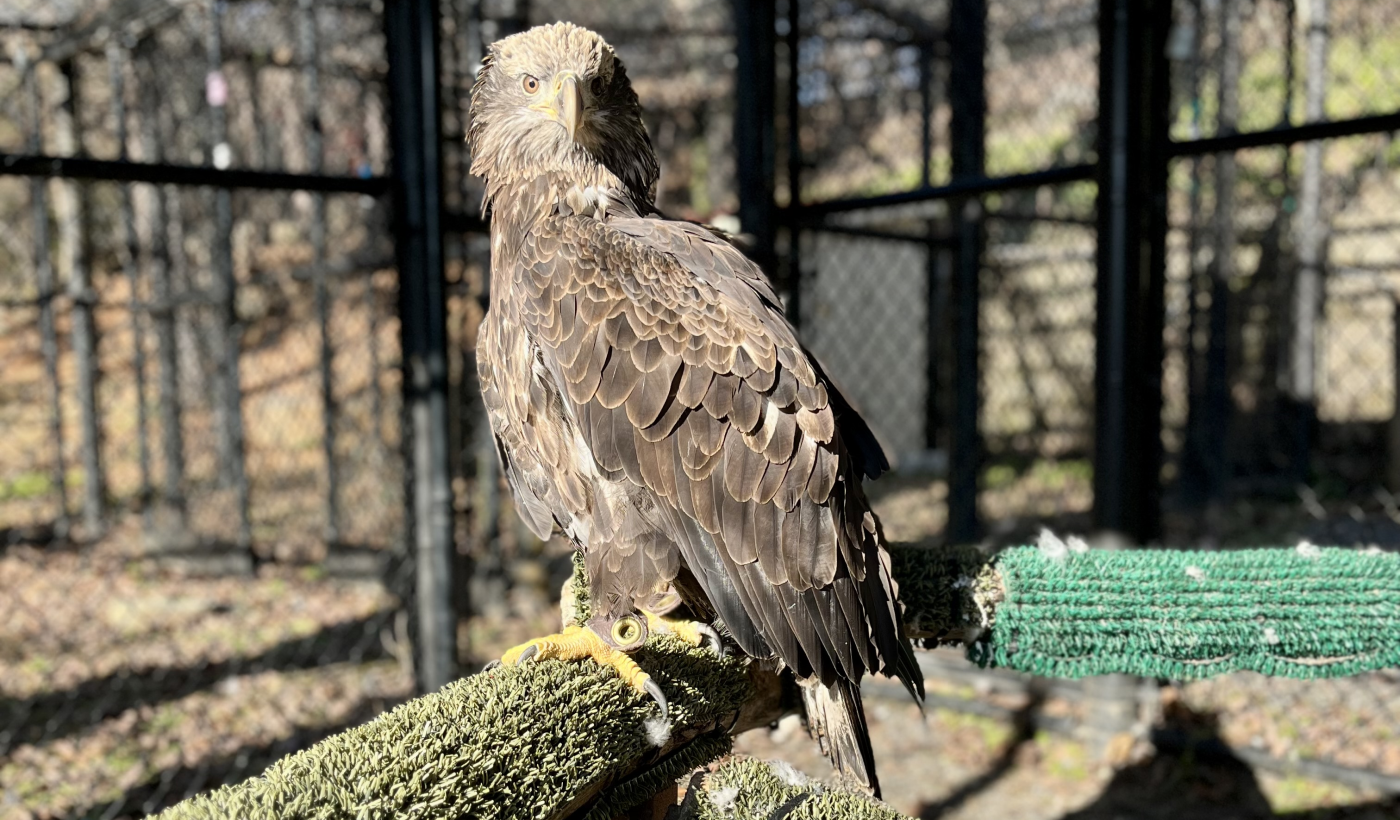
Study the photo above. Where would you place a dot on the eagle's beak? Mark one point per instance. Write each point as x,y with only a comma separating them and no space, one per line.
568,103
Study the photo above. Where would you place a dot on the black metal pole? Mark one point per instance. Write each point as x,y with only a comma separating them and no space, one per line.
1132,222
411,28
755,30
188,176
967,97
936,307
311,77
971,186
793,275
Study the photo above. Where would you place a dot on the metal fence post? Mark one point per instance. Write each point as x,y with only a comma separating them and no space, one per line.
935,271
793,273
755,31
967,97
1134,97
411,29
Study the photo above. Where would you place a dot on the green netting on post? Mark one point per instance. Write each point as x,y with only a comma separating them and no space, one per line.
1305,612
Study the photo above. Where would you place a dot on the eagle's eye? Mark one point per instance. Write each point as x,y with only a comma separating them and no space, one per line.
530,84
597,86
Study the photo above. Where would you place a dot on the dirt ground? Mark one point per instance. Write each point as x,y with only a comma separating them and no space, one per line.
955,766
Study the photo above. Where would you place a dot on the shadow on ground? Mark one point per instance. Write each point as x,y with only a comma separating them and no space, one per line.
57,714
174,784
1202,780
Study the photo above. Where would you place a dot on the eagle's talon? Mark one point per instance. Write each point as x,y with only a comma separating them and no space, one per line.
657,695
695,633
711,635
577,643
491,664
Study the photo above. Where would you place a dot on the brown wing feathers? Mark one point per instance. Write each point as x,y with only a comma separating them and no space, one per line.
683,376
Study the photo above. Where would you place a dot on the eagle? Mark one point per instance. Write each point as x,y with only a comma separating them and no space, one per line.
649,398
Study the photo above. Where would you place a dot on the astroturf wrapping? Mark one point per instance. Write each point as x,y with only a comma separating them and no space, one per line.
748,789
515,742
1303,612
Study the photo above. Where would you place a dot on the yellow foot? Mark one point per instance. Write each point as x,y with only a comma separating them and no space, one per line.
576,643
694,633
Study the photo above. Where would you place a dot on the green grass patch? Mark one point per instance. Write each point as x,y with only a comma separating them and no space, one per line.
25,486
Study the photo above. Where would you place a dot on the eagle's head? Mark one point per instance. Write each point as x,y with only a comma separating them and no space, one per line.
555,100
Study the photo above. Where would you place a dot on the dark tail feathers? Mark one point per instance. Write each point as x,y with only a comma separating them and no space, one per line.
836,720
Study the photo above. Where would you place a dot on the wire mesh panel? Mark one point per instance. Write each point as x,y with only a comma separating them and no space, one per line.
32,479
873,117
1280,381
1038,368
1248,66
866,319
1042,84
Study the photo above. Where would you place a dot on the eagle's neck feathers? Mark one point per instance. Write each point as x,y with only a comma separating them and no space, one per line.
521,207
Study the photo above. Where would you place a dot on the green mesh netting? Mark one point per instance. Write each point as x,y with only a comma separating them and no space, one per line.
1306,612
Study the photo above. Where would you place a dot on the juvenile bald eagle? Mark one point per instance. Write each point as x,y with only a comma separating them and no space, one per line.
649,398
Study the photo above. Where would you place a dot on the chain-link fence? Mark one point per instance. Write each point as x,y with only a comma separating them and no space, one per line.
201,480
205,510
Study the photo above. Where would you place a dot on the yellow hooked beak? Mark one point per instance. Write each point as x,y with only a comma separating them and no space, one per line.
565,104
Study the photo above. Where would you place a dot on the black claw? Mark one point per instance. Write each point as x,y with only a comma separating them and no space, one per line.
491,665
716,642
655,691
530,652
